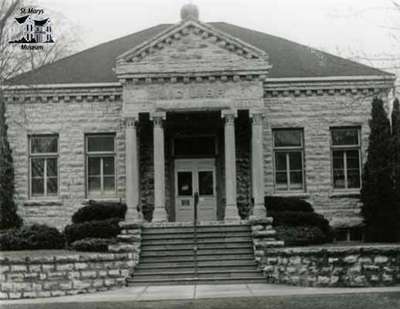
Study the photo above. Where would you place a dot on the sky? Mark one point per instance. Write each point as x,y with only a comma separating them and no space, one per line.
356,29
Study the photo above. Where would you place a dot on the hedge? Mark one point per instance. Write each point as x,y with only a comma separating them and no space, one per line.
277,203
93,229
96,211
31,237
301,235
294,218
92,244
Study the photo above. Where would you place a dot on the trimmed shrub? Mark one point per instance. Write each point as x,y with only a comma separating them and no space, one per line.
93,229
92,244
32,237
296,222
294,218
277,203
96,211
301,235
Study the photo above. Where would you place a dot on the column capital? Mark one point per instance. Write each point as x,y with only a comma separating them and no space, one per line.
157,118
256,116
131,121
229,116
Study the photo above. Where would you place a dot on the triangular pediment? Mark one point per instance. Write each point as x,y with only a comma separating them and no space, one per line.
192,47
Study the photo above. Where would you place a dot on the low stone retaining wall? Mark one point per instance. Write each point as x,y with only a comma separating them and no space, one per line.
33,274
347,266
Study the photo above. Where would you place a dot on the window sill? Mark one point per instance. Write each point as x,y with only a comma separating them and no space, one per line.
43,202
345,193
291,194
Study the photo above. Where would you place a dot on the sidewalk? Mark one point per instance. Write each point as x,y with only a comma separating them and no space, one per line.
196,292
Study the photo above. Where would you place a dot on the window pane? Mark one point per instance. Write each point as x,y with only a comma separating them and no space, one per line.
94,184
52,185
94,166
109,184
296,180
280,161
108,166
353,159
100,143
42,144
37,166
37,186
338,179
206,183
185,183
287,138
353,178
345,136
281,178
295,161
338,157
52,167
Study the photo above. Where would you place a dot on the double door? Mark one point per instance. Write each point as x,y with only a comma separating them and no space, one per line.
195,176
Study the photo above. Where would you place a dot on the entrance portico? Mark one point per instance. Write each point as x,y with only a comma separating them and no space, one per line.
193,68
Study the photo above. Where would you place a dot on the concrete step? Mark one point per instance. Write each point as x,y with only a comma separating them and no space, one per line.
200,229
201,257
214,264
191,280
202,252
206,246
185,267
200,274
147,242
190,235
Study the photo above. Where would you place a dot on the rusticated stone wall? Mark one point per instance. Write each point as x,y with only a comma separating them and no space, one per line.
71,120
316,114
44,275
355,266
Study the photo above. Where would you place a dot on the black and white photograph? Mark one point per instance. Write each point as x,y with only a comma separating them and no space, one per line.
162,154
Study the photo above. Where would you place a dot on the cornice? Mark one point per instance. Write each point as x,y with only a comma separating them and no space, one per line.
64,93
346,85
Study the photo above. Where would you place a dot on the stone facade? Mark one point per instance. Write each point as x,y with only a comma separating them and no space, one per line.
71,119
191,69
356,266
45,275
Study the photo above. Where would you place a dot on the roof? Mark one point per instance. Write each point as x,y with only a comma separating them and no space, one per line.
22,19
288,59
41,22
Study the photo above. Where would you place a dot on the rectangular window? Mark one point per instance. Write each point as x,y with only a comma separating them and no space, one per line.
345,144
43,165
288,154
100,162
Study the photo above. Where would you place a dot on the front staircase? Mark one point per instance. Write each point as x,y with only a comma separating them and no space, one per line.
225,255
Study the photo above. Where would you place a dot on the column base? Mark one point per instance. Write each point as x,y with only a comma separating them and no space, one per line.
159,215
231,213
259,211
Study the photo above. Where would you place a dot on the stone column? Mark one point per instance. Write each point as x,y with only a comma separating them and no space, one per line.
132,171
257,164
159,213
231,211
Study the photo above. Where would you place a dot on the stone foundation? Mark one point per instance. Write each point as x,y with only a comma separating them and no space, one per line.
33,274
356,266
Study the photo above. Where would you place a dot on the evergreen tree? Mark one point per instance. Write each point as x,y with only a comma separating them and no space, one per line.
395,145
8,210
377,193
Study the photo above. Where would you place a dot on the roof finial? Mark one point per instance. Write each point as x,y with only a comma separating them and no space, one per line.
189,11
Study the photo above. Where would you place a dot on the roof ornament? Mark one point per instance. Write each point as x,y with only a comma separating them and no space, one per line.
189,11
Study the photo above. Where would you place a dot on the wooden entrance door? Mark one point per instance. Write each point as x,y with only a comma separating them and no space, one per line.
191,176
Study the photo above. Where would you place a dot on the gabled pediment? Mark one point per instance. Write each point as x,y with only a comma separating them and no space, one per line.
192,47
